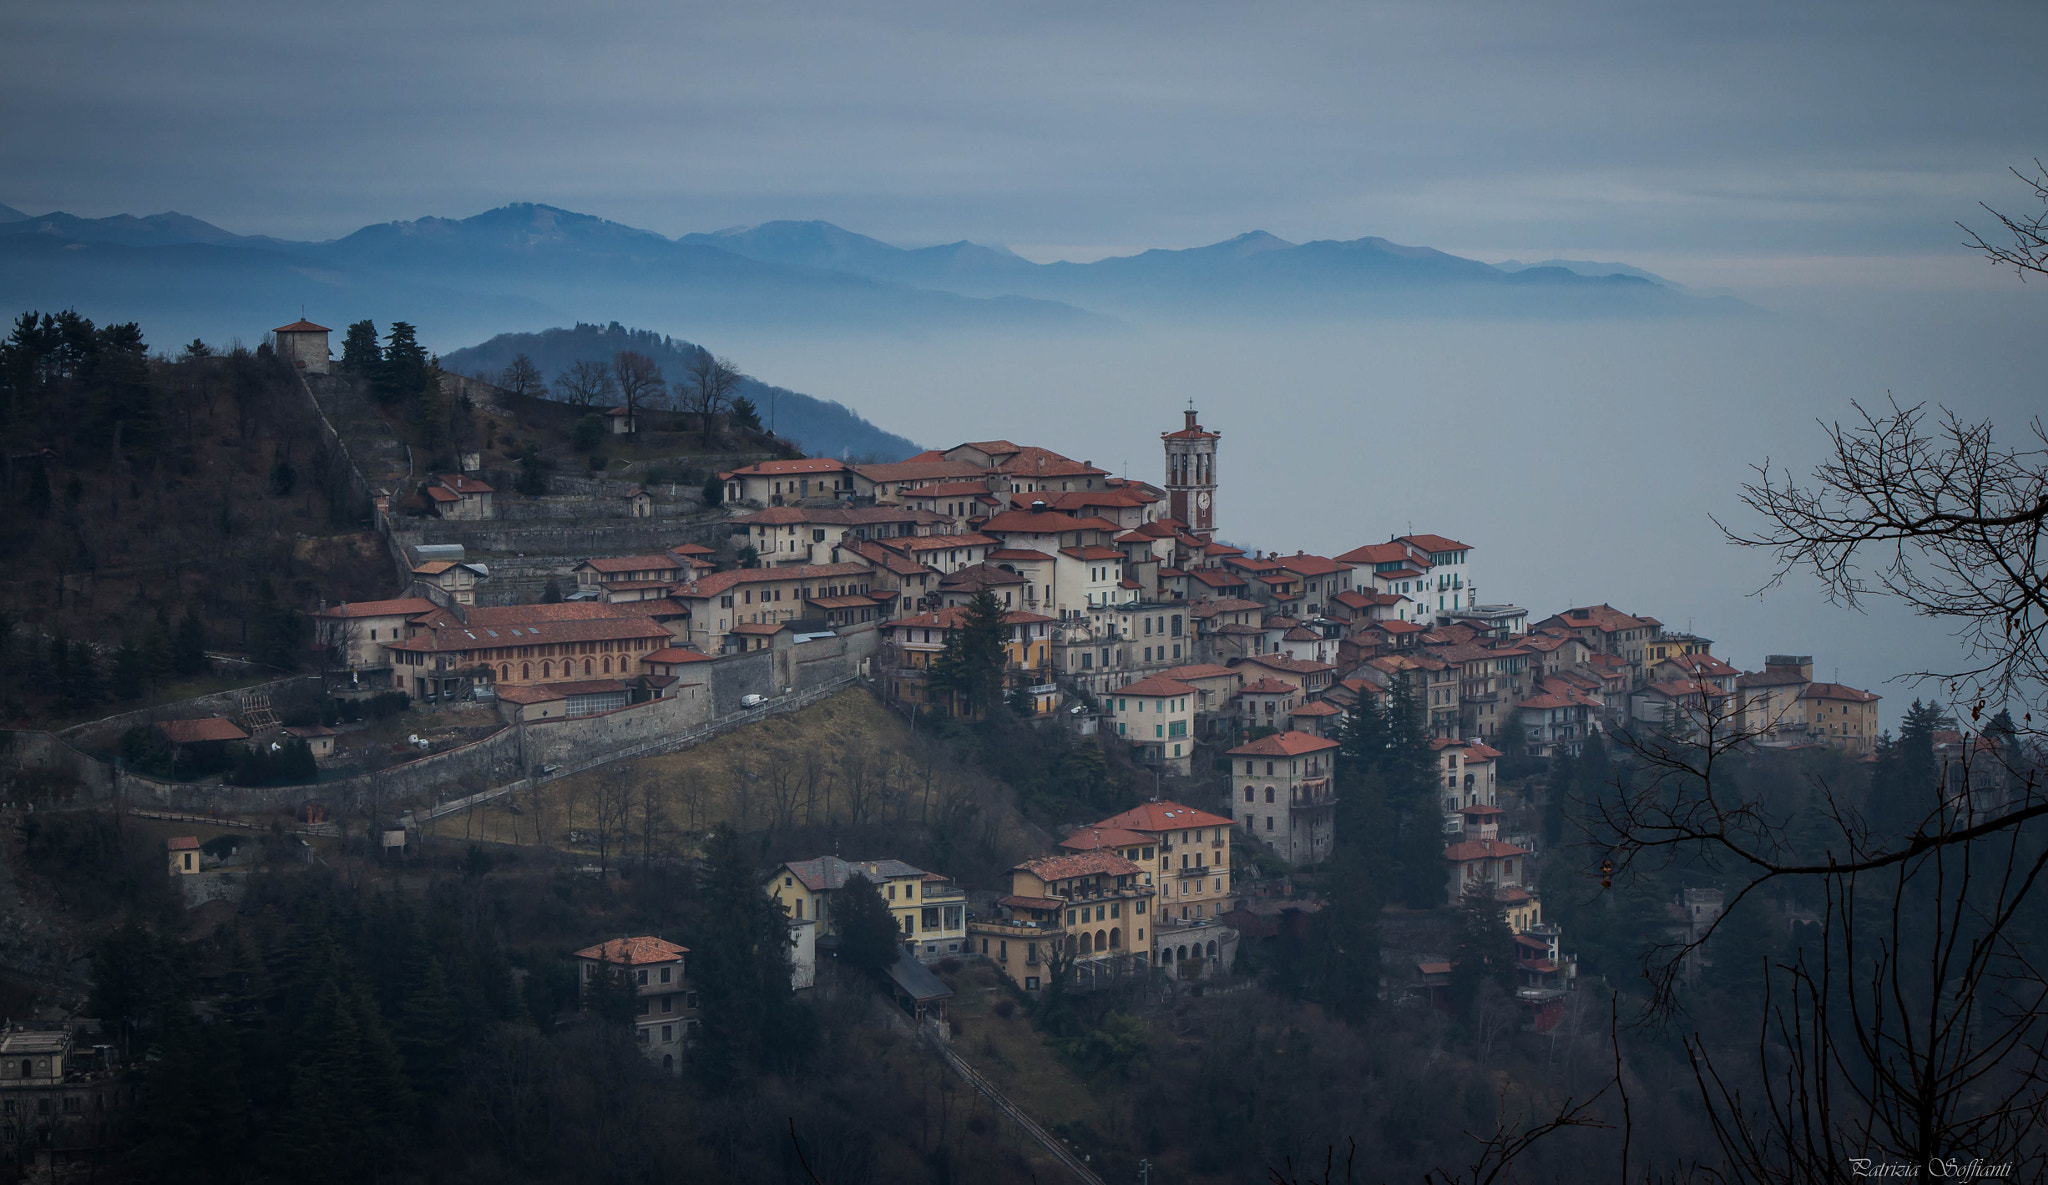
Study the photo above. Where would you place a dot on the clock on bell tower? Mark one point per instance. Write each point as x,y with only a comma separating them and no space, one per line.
1191,476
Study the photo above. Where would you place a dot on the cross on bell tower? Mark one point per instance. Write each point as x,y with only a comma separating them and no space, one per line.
1191,475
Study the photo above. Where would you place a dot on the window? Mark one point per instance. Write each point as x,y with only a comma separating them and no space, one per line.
1269,794
666,972
668,1034
668,1003
1269,822
640,977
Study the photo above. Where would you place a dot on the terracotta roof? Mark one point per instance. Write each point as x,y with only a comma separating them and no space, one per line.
1089,839
462,483
1207,609
1433,968
310,730
1285,744
1374,553
716,583
1046,522
302,326
401,607
1040,904
182,843
1317,708
915,470
1482,849
1299,666
916,543
633,563
1435,543
1156,685
1838,691
674,654
1268,687
1092,552
800,465
1015,554
1200,670
478,636
192,732
632,952
1163,816
1059,868
443,494
1303,564
536,693
1482,810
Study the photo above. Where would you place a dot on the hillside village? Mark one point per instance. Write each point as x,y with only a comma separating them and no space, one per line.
988,578
1122,612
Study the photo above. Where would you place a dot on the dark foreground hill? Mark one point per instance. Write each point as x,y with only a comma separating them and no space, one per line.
821,427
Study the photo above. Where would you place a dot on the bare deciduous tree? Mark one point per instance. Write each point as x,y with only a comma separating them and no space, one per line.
1935,515
522,378
638,379
584,384
2029,250
708,389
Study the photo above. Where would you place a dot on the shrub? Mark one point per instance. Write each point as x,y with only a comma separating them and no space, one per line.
587,433
1006,1008
386,704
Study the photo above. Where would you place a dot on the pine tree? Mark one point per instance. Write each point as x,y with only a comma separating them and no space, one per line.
971,664
1485,951
741,968
869,941
359,353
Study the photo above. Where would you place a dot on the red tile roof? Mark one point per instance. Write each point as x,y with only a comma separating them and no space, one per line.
1374,553
1200,670
1089,839
1482,849
1434,543
183,843
1285,744
1059,868
800,465
1157,685
302,326
634,951
1838,691
401,607
1155,817
192,732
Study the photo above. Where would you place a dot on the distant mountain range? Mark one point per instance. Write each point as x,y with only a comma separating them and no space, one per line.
526,267
822,428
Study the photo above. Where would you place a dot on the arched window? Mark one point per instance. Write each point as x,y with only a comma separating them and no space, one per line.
547,669
1182,952
607,664
1116,938
1166,956
1269,794
1084,942
586,666
1247,793
505,672
1212,948
526,670
1101,941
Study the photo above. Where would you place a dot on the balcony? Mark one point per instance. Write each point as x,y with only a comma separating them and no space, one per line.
1198,871
943,893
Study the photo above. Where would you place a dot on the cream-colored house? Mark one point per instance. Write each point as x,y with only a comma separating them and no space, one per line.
658,972
1157,717
1286,796
930,911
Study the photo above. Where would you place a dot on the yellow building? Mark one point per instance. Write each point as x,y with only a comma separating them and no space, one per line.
665,1020
1095,908
930,911
1156,716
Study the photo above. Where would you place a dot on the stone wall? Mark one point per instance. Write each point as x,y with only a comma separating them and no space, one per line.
106,732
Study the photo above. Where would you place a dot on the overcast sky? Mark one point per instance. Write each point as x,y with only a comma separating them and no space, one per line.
1771,135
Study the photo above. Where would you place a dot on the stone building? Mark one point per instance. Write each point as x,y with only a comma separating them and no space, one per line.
304,345
1285,794
665,1020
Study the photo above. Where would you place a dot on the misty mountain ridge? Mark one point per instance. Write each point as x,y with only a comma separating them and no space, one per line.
527,266
820,427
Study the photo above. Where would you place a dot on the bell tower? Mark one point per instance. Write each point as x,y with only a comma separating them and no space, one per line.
1191,476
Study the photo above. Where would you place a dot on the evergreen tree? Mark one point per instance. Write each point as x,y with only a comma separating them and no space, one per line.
971,664
1485,950
158,660
359,353
714,491
1558,788
403,371
1340,963
741,968
744,414
869,941
427,1027
551,592
128,670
